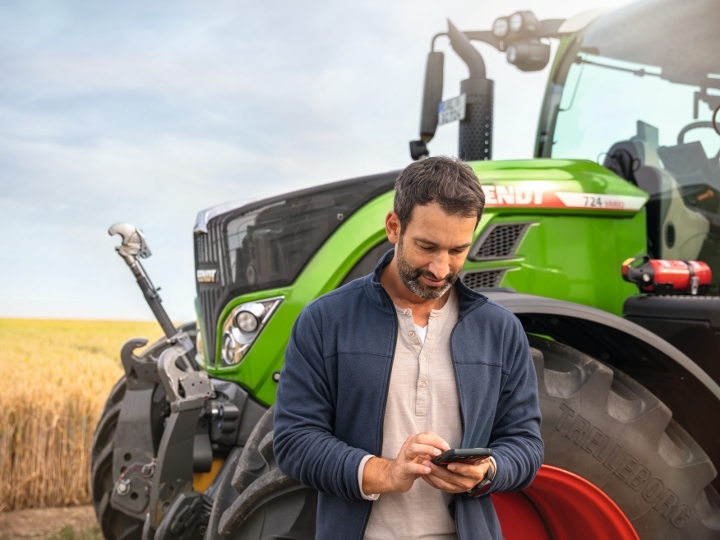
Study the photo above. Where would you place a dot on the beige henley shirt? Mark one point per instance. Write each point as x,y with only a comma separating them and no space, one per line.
422,397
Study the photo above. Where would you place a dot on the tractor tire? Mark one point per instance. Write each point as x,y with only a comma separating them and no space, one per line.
598,423
113,524
257,501
605,427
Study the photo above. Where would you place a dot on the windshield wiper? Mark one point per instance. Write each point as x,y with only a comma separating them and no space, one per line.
637,72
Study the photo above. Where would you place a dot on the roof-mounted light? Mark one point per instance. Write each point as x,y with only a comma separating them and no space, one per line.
523,22
529,54
500,27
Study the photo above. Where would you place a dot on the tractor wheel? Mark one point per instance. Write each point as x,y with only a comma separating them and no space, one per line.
258,502
604,427
617,467
114,524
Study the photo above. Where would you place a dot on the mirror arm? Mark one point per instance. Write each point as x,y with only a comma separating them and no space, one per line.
548,29
432,43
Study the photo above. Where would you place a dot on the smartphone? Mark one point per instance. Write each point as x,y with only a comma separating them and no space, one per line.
470,456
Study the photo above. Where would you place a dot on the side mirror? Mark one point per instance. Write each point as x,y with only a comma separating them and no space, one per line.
418,150
432,95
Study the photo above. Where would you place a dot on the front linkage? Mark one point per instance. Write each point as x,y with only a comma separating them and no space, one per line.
153,482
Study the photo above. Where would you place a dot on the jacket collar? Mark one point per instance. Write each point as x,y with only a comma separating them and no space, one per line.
468,299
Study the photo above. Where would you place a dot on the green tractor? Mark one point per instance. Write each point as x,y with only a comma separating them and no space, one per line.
625,175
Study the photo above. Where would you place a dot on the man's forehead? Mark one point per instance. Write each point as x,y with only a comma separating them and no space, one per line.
448,234
432,215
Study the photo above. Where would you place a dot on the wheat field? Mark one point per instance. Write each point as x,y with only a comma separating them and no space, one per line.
54,378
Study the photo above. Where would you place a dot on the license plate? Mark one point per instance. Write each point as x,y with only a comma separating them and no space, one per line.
451,110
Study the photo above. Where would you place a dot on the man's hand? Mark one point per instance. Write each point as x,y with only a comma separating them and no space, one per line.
457,477
413,460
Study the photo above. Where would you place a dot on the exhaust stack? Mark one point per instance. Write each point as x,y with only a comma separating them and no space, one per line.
476,130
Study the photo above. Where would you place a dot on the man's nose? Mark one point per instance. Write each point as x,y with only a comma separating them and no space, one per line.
440,265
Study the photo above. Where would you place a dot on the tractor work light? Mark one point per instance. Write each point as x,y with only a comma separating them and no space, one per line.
529,55
524,22
242,327
500,27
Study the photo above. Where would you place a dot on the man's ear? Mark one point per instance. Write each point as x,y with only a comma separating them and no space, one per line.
392,227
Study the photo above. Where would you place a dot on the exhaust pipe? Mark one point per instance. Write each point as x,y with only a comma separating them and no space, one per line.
476,130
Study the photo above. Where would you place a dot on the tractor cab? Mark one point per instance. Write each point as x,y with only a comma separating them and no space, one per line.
638,91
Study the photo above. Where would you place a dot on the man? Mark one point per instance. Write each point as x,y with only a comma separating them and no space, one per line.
390,370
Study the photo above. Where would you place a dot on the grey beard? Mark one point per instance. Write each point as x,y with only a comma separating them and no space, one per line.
411,278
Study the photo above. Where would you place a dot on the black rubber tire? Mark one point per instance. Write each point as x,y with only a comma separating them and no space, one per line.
113,524
602,425
266,503
597,423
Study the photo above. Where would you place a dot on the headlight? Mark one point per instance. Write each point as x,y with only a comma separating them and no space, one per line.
500,27
512,54
242,327
250,316
525,22
516,22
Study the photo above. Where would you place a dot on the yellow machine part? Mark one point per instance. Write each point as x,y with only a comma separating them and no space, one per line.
202,481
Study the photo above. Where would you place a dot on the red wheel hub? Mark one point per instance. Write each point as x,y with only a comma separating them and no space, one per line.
560,505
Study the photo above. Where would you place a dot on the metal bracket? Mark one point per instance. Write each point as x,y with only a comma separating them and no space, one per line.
185,387
140,372
187,390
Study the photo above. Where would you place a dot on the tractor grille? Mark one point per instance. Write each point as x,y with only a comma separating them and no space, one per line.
499,241
484,279
265,245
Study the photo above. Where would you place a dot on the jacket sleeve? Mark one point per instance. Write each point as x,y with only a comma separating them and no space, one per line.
304,445
516,442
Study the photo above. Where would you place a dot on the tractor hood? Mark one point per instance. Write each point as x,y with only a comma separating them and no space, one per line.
557,186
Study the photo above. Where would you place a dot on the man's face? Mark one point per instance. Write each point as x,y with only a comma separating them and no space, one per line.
432,249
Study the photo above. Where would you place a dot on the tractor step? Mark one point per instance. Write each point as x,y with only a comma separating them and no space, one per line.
690,323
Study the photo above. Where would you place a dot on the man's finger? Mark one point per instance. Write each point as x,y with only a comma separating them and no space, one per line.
416,468
477,472
442,485
429,479
432,439
451,478
417,449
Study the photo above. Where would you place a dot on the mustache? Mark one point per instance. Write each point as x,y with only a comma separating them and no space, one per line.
428,274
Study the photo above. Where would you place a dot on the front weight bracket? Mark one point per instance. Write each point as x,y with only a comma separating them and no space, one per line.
187,390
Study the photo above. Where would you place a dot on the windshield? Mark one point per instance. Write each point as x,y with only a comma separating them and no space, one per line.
636,92
604,98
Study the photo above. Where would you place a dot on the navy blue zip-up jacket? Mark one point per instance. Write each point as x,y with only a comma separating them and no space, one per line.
331,400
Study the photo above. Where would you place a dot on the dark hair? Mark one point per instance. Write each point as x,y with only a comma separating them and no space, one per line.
447,181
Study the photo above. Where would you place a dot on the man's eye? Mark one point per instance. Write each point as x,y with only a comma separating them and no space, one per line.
427,248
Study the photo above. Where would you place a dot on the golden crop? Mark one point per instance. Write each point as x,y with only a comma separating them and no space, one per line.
54,378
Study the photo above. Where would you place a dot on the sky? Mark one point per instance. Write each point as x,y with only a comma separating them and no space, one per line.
149,111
